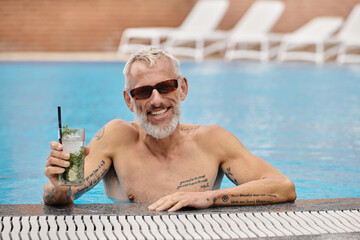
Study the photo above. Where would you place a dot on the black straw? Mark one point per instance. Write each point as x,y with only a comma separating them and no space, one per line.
59,120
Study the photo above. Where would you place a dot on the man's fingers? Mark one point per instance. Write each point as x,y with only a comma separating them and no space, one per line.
59,154
51,171
177,206
156,204
56,146
171,203
166,205
57,162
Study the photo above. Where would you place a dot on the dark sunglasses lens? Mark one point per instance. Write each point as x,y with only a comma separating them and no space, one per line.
141,92
167,86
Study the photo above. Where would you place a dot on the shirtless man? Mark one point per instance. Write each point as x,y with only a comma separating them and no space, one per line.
158,160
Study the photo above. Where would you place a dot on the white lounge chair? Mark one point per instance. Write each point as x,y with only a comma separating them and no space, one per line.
349,38
189,39
315,33
204,16
250,37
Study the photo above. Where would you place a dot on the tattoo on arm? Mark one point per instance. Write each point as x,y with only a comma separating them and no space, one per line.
69,193
50,197
254,199
93,179
195,181
230,175
100,134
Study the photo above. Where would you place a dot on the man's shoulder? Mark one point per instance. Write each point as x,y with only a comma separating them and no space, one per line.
119,124
118,130
203,132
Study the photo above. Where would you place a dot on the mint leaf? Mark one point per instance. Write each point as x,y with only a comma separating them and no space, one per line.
67,131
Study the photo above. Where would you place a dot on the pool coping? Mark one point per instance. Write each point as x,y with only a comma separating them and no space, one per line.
141,209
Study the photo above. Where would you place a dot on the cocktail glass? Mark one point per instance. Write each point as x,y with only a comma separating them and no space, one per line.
73,141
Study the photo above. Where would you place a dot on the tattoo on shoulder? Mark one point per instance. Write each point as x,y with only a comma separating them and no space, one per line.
189,129
100,134
230,175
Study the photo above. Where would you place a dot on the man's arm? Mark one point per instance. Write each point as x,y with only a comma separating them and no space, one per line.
257,181
96,164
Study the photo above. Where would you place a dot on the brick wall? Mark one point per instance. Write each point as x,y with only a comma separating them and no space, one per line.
94,25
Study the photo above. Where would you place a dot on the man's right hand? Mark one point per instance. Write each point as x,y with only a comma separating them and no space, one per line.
56,162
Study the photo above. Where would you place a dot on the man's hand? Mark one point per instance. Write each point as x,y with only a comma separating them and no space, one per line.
178,200
57,162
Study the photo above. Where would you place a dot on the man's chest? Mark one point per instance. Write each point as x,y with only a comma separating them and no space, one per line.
147,178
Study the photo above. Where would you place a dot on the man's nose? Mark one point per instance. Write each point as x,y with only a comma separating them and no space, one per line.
155,97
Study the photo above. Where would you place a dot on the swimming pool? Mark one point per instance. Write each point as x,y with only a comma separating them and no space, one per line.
303,119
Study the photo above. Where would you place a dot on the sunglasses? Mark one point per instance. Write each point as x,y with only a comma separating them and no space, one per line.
145,92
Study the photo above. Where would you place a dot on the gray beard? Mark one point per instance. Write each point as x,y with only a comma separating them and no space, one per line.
158,132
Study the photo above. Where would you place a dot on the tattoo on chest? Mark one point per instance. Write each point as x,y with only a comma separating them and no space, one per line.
100,134
231,176
200,180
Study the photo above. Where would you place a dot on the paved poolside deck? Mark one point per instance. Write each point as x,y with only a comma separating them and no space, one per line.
139,209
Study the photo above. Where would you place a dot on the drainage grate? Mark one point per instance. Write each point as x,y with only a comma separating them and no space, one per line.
189,226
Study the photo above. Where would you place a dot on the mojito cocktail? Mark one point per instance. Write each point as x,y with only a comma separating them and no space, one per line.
73,140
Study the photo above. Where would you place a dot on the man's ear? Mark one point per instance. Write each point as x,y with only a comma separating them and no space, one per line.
128,101
184,88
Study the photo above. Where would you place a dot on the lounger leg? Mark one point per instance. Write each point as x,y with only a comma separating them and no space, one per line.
199,50
264,51
319,55
282,52
341,54
230,51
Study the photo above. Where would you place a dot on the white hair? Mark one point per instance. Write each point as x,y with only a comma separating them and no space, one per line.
149,56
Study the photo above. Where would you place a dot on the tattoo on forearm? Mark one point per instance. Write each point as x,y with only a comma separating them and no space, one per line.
231,176
50,196
253,195
225,198
236,198
100,134
93,179
194,181
69,193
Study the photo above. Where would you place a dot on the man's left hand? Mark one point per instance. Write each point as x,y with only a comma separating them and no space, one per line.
178,200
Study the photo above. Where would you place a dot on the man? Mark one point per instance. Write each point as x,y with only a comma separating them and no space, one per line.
158,160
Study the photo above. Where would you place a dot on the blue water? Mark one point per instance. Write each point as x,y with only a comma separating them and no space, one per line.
303,119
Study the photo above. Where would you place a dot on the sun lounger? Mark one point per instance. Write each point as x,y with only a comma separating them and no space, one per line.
349,38
205,16
251,30
315,33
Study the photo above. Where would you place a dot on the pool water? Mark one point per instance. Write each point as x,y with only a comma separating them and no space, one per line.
303,119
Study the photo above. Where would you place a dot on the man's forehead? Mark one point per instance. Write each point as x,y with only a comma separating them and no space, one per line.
162,64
